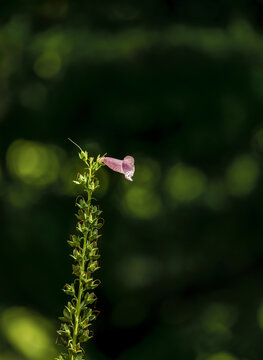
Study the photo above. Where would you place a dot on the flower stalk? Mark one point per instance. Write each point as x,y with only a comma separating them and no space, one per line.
79,312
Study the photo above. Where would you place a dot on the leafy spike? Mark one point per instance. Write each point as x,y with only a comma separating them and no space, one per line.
78,314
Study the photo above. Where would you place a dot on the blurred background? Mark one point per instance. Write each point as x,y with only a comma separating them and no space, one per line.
178,85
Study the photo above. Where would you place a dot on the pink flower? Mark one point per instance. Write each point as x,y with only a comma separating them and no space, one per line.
125,166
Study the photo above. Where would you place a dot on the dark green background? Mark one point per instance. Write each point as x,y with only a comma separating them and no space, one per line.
179,86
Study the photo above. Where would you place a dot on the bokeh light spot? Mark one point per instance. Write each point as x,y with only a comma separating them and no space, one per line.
242,175
10,356
220,356
47,65
32,162
218,318
29,333
185,183
147,172
142,202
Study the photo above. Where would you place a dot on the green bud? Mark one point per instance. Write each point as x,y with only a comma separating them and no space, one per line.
83,155
69,289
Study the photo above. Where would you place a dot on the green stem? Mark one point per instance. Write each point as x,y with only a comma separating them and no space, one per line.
78,309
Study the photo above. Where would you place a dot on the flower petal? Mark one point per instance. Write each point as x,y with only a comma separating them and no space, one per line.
113,164
125,166
128,169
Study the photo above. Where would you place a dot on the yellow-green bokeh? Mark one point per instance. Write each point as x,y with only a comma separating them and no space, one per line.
33,163
48,65
218,318
242,175
147,172
142,202
222,355
185,183
29,333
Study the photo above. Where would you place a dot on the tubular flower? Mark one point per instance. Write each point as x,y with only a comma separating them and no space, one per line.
125,166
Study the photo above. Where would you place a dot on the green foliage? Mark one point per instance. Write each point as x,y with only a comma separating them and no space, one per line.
78,313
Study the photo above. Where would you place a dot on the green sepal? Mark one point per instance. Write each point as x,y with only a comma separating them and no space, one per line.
82,204
99,225
62,357
76,270
90,298
85,336
93,266
64,330
63,319
81,227
88,283
94,254
92,317
74,241
95,283
86,315
81,179
67,313
69,289
89,247
83,155
77,255
79,357
94,257
83,305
